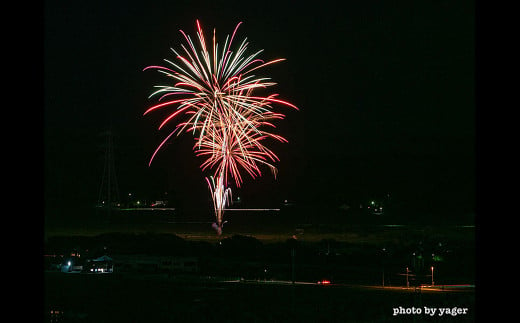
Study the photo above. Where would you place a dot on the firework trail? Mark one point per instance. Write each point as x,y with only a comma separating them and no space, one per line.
215,99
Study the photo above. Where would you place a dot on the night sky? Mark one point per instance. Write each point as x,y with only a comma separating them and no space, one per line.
385,91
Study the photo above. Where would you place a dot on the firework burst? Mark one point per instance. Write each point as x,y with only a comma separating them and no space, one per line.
213,96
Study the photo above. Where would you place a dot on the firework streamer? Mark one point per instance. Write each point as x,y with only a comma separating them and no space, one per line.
215,99
221,197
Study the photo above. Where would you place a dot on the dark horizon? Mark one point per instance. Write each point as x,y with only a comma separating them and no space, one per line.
386,97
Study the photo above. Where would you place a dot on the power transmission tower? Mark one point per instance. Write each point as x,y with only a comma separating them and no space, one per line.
109,191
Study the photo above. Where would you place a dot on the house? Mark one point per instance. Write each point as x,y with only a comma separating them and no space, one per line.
103,264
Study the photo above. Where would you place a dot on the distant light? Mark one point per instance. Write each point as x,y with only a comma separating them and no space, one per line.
323,282
68,264
372,202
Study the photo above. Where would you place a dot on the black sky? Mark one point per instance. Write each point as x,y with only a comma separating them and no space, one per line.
385,91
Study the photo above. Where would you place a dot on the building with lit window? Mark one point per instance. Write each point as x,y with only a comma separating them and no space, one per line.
101,265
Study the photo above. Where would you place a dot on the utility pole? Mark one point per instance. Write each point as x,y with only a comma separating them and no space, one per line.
383,258
292,264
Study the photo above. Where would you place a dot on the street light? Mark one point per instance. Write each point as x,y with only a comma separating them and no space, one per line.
432,275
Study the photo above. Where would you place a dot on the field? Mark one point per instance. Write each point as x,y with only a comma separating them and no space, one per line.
116,298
